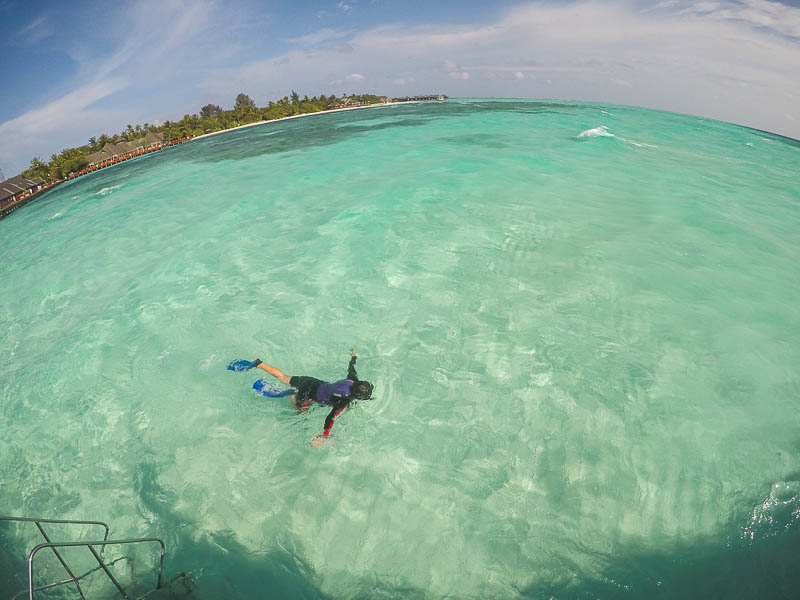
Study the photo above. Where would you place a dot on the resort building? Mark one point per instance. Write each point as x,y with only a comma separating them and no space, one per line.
16,191
19,190
430,98
350,103
346,103
111,152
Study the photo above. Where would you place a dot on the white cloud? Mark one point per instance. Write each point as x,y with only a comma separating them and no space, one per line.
667,4
346,6
42,120
761,13
59,124
319,37
454,71
35,31
158,42
352,78
733,60
621,82
160,39
458,75
726,60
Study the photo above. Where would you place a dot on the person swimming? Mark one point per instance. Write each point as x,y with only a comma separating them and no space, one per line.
338,395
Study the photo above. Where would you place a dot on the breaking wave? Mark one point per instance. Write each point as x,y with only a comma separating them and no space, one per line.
107,190
603,131
777,513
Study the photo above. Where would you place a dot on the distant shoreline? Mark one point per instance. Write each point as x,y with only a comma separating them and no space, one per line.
322,112
9,208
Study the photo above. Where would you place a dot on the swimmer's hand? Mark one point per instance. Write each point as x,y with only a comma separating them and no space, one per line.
352,351
318,440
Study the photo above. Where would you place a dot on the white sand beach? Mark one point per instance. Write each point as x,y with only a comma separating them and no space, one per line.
322,112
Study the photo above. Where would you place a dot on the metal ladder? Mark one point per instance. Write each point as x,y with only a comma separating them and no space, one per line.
92,547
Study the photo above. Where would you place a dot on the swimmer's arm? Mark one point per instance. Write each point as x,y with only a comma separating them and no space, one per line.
351,368
340,405
337,408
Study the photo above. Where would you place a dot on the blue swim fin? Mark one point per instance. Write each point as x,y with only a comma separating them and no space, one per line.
241,365
265,389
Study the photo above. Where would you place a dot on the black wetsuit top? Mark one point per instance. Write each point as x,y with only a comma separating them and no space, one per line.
307,388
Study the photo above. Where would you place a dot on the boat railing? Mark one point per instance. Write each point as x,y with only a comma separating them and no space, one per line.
92,546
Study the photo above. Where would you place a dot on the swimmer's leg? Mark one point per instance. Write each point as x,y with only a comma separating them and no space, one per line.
275,372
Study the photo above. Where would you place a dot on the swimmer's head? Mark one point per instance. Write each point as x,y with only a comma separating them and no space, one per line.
361,390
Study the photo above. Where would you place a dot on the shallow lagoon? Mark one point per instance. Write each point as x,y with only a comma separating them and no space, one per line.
585,355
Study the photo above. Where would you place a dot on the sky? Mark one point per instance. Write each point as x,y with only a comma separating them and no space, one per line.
72,70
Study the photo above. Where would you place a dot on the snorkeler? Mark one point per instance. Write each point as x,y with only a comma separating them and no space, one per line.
337,395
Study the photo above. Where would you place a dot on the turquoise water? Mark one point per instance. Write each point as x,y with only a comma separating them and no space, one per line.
584,349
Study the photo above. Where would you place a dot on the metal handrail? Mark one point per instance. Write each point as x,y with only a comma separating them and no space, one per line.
39,521
58,583
68,521
98,558
90,545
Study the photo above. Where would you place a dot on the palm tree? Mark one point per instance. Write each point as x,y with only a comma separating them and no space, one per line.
244,100
38,169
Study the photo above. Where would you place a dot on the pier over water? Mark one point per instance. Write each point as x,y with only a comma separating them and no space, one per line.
430,98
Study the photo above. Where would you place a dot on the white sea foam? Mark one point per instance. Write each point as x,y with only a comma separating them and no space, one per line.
601,131
208,362
107,190
638,144
58,214
777,512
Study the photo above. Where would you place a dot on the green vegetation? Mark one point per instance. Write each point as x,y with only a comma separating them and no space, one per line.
211,118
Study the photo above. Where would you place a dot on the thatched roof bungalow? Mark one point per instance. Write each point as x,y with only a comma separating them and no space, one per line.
111,151
152,139
13,189
423,98
97,157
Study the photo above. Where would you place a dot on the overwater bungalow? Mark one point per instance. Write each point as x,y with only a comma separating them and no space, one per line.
112,153
17,191
350,103
428,98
